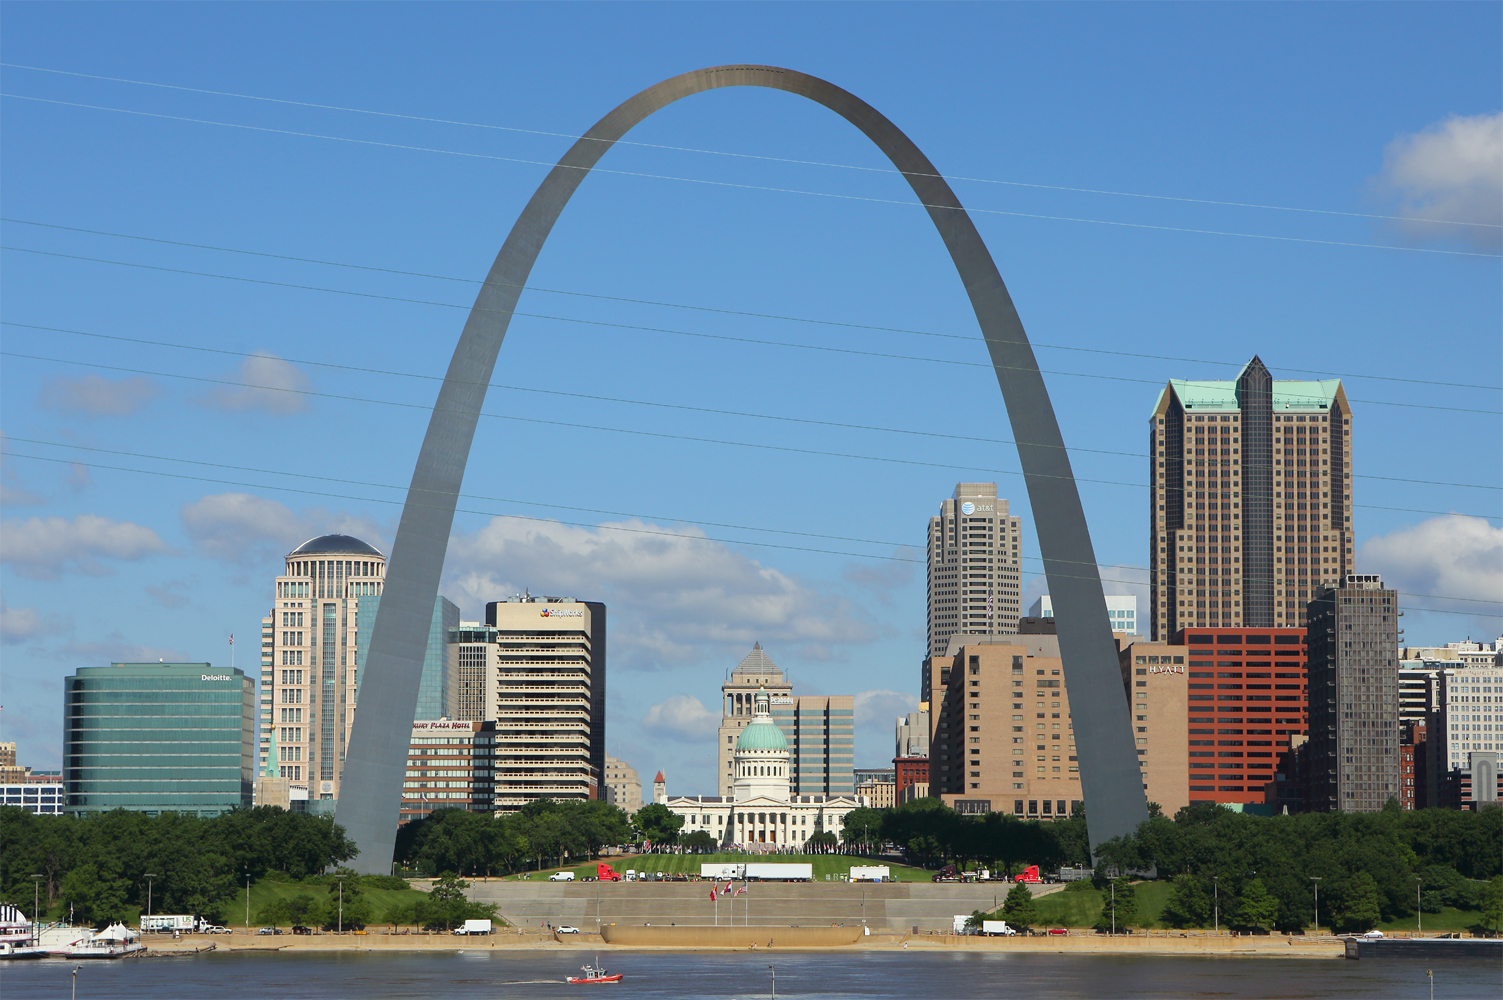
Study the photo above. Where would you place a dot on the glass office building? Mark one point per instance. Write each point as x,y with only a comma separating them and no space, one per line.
158,737
438,693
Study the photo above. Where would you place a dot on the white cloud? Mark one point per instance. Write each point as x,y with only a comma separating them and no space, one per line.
97,396
683,718
882,707
1449,173
12,493
244,528
45,548
671,592
268,384
1449,556
25,624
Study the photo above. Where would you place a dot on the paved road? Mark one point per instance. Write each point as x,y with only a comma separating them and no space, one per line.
892,906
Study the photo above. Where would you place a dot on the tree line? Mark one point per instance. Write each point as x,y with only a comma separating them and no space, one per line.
96,867
1250,872
930,833
541,833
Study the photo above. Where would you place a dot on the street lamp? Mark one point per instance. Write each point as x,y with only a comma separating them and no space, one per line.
247,900
148,876
1114,906
75,981
1419,913
341,902
1216,905
1316,879
36,905
774,969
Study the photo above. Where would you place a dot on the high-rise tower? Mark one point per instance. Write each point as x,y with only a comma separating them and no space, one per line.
1250,510
308,662
973,567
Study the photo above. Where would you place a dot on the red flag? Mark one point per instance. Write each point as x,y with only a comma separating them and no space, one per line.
712,895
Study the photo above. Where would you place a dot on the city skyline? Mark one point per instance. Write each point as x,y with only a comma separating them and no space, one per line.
104,565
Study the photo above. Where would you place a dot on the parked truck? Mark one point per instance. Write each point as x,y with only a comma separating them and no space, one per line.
996,928
605,873
871,873
474,927
725,871
167,923
1030,875
765,872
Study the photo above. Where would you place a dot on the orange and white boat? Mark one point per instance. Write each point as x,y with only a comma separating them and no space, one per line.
595,974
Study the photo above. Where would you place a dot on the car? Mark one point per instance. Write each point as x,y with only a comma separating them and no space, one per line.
269,930
566,929
1058,930
1373,935
561,877
300,929
214,929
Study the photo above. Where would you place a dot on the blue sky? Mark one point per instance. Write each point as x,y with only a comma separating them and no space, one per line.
1371,119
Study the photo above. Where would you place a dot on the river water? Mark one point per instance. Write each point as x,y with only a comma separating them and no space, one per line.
954,976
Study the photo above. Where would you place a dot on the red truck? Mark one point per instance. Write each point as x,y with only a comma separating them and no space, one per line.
605,873
1030,874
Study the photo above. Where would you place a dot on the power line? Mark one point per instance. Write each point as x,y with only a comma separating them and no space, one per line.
523,517
726,312
754,187
672,332
648,403
752,156
759,446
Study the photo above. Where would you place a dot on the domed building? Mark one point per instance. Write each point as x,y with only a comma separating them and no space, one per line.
309,647
760,813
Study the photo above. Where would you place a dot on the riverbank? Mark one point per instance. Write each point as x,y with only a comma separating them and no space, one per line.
1081,943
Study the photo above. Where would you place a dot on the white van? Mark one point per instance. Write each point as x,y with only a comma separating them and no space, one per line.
561,877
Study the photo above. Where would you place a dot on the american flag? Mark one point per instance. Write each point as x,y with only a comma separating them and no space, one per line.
740,890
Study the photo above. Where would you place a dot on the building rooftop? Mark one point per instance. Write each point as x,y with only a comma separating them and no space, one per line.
335,543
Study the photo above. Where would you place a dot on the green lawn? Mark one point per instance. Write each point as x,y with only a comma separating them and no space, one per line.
672,864
1448,919
1083,908
264,891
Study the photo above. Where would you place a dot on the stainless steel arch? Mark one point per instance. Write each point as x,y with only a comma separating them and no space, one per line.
376,760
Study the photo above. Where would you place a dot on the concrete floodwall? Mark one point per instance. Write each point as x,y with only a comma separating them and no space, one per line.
730,937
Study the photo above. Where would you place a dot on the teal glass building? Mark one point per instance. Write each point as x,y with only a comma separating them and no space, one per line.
158,737
438,691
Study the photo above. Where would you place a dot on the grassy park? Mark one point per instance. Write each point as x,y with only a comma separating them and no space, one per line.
673,864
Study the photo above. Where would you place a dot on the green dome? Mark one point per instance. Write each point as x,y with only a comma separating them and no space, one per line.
762,734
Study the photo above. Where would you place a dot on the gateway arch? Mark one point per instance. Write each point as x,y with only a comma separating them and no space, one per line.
376,761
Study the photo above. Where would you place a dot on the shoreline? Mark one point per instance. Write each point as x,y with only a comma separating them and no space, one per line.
1085,943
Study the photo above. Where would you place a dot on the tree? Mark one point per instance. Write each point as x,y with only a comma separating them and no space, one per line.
1121,902
1019,909
96,892
1189,903
1355,907
657,823
862,826
700,842
1256,907
821,842
1492,904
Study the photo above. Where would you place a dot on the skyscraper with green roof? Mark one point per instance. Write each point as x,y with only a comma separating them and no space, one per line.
1251,500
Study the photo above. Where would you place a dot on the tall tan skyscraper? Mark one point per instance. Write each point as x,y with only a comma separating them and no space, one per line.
1252,500
308,662
973,567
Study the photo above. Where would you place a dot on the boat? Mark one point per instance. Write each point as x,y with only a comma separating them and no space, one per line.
115,941
60,939
17,936
595,974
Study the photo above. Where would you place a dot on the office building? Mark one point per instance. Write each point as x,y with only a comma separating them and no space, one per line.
158,737
1175,764
908,772
820,730
309,661
1122,609
1412,765
1465,653
1465,718
450,765
1003,741
974,576
623,788
912,734
1353,669
10,771
763,808
439,689
543,677
878,793
44,798
1252,491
